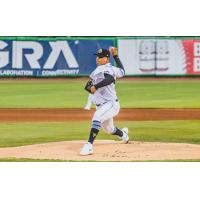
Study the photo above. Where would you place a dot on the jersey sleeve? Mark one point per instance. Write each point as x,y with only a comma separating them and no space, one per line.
91,76
118,72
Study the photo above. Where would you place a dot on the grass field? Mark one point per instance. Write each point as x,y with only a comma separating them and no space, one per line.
18,134
70,94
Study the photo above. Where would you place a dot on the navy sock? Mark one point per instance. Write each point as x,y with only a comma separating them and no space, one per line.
96,125
117,132
93,134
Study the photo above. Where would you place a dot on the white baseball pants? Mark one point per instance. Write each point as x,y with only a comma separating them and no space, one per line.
105,113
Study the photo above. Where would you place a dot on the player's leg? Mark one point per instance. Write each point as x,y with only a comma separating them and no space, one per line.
88,148
109,127
89,102
107,121
104,112
95,127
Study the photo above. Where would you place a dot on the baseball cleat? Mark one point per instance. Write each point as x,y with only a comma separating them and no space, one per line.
87,149
125,137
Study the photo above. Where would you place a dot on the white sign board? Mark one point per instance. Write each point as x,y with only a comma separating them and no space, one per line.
160,57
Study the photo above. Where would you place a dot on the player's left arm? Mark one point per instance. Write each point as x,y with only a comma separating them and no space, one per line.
108,79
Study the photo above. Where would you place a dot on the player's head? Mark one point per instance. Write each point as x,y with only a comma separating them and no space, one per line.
103,57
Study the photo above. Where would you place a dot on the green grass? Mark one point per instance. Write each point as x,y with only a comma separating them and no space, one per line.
160,94
18,134
42,94
70,94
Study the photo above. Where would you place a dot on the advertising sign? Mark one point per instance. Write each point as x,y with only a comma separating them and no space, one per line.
153,57
192,51
49,58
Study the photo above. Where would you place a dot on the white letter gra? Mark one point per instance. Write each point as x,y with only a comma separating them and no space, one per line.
4,55
17,58
57,48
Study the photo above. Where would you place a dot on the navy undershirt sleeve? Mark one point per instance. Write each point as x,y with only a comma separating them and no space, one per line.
118,62
107,81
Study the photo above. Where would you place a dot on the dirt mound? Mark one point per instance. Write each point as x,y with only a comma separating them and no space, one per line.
75,114
105,151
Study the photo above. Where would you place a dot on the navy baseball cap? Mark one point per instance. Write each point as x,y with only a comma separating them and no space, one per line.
101,53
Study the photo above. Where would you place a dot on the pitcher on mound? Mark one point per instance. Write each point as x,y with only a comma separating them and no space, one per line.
102,86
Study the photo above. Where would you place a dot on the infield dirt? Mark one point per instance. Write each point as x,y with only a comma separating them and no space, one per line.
73,114
105,151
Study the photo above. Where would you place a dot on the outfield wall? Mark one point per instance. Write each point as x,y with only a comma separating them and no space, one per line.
49,58
160,56
73,56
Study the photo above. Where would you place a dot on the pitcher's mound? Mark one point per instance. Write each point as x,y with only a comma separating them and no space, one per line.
105,150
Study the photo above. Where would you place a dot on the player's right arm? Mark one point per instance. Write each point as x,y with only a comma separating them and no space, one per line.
120,71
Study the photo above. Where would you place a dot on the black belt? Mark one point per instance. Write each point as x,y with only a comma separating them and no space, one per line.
104,103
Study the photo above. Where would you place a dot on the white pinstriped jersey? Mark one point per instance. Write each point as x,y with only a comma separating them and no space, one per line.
106,93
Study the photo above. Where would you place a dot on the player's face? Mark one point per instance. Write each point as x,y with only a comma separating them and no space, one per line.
102,61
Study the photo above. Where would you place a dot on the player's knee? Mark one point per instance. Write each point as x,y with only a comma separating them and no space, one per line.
96,124
108,129
97,118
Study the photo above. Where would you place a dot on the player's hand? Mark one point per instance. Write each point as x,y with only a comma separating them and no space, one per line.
93,89
113,51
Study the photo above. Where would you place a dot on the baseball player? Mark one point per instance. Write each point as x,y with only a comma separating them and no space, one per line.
102,86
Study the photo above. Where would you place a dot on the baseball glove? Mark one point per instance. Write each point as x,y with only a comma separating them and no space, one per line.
88,86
